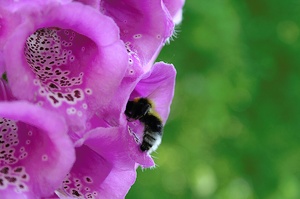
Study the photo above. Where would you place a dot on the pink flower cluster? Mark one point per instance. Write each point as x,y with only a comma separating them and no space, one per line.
69,68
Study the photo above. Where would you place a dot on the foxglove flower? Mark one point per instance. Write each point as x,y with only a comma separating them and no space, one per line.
66,57
84,60
35,150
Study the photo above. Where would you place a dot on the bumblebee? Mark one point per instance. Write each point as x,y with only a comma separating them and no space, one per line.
142,109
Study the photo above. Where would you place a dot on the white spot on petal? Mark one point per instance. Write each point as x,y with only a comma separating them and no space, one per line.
130,61
72,58
44,157
131,72
36,82
84,106
42,91
88,91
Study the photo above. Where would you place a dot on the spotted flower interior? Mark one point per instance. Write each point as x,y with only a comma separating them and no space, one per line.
18,150
34,147
12,151
54,56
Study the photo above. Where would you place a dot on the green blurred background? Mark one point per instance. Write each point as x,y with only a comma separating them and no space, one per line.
234,127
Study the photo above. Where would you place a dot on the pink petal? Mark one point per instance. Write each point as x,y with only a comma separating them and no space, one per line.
145,26
8,23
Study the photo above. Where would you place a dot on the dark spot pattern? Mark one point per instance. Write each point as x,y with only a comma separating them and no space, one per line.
10,179
4,170
10,154
8,141
79,187
14,176
18,170
75,193
48,55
